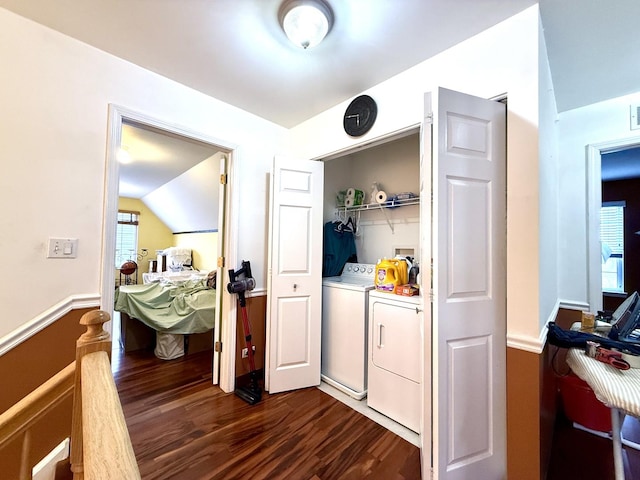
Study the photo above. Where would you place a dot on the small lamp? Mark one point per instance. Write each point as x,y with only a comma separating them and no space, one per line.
306,22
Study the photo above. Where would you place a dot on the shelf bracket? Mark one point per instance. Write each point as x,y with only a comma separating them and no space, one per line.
386,216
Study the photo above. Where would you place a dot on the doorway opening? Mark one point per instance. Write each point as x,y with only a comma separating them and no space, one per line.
598,156
120,119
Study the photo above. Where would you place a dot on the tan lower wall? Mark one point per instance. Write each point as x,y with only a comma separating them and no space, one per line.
531,387
257,314
523,415
532,400
27,366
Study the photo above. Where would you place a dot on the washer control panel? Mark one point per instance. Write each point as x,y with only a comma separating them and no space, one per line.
359,270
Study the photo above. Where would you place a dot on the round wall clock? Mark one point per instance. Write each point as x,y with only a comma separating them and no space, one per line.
360,116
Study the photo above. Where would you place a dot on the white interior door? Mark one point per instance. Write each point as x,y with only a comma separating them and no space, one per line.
294,291
222,196
468,309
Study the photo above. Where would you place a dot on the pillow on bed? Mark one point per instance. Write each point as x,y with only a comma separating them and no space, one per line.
211,279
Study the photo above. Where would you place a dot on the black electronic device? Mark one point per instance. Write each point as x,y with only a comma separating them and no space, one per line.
625,325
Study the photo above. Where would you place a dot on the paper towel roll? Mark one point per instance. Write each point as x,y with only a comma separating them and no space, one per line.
381,196
348,202
351,192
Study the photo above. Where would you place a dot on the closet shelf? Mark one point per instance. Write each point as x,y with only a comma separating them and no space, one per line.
382,206
377,206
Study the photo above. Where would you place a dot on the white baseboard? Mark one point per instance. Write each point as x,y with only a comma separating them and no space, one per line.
46,468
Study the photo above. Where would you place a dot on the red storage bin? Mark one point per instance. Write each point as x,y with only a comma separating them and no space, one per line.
581,405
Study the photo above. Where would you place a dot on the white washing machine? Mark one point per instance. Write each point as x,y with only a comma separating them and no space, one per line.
344,328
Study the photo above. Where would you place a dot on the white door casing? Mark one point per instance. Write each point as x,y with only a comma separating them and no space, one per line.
468,310
294,290
117,115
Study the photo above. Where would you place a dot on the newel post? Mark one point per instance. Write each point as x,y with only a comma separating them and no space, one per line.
95,339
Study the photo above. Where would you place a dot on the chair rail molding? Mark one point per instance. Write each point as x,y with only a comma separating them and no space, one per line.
48,317
535,345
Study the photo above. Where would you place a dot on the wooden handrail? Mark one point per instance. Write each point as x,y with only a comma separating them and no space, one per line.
107,446
21,416
106,450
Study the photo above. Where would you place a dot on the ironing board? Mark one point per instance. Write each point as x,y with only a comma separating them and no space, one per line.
617,389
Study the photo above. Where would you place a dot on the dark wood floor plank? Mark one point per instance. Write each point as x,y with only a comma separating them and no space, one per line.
182,427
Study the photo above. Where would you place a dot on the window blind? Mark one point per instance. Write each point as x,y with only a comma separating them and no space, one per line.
612,228
126,237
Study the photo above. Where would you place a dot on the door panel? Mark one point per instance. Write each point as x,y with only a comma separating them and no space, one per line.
471,401
293,255
294,297
293,347
468,250
468,310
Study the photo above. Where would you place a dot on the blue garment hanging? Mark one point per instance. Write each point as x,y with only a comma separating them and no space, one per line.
338,248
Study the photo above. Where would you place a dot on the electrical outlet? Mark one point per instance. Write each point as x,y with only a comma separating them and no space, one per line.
245,351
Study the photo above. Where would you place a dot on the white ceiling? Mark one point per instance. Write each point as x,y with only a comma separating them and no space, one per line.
156,158
235,51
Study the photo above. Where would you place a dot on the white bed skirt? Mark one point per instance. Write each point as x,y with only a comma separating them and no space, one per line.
169,346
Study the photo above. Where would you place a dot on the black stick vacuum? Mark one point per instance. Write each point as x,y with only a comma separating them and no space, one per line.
250,393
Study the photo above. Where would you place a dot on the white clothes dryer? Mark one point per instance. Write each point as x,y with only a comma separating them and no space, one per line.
345,301
395,357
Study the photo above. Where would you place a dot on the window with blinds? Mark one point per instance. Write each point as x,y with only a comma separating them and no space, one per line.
612,242
126,237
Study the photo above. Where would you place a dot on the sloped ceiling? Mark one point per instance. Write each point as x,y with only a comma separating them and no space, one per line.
189,202
176,177
235,50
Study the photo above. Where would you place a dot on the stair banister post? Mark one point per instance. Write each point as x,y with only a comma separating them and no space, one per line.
95,339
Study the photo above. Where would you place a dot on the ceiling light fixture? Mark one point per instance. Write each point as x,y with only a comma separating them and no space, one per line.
306,22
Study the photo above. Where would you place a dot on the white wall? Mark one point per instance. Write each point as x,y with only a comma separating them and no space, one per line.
597,123
503,59
396,167
548,191
189,202
57,90
55,95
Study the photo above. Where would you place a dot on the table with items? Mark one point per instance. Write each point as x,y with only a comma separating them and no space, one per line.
617,389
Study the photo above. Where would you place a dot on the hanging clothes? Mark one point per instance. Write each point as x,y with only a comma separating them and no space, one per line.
338,248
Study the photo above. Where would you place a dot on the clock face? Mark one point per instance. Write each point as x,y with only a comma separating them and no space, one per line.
360,116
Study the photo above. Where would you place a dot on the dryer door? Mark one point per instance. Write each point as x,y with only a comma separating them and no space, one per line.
396,340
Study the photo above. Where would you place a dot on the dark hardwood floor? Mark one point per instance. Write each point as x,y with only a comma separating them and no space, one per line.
182,427
577,454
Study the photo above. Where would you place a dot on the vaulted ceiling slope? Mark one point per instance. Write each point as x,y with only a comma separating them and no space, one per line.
593,48
236,52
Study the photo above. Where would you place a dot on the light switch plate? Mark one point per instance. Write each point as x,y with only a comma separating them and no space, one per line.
635,116
62,248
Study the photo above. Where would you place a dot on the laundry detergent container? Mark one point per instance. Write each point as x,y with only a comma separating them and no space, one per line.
389,275
581,405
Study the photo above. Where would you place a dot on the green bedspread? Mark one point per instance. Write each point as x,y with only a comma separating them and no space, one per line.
182,307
